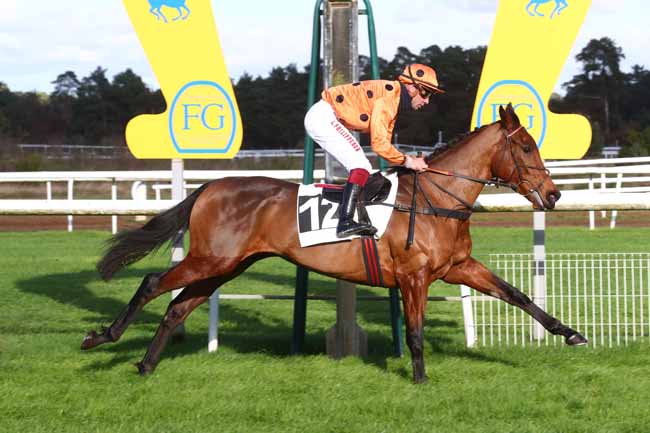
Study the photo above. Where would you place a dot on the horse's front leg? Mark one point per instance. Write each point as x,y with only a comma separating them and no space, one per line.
474,274
414,288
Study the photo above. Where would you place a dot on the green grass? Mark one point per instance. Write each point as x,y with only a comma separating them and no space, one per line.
50,296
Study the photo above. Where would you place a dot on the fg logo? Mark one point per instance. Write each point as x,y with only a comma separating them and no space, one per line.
525,100
202,119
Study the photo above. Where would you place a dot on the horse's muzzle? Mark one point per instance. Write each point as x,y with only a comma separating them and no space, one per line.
552,198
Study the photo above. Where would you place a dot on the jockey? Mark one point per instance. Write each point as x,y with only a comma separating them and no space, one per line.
370,107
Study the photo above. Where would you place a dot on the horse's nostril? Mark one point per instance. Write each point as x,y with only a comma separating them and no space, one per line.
553,197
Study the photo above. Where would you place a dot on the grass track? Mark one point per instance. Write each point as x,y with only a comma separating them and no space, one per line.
50,296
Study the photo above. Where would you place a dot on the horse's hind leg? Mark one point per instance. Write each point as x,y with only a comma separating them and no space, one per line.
152,286
474,274
191,297
114,332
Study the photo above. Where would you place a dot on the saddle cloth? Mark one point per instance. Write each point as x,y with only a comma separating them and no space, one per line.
317,216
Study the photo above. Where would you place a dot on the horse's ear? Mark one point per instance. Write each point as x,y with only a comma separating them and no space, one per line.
515,119
509,118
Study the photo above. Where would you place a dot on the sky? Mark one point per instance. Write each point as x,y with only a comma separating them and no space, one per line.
40,39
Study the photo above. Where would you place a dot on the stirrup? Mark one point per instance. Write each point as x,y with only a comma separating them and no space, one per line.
351,228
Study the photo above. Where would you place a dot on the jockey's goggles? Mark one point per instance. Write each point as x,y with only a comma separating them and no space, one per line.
425,82
424,92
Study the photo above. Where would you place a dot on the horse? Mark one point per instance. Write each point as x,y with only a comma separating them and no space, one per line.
236,221
156,6
560,5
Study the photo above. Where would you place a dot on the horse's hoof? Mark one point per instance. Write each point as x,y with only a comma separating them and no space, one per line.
144,369
89,341
576,340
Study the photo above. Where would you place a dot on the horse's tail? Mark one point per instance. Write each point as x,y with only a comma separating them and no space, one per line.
129,246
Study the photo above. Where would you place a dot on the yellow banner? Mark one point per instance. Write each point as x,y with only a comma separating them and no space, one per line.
182,44
530,44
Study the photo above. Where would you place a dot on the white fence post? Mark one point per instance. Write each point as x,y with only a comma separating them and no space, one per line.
468,315
539,258
619,181
592,223
114,197
177,243
213,323
139,194
603,188
70,197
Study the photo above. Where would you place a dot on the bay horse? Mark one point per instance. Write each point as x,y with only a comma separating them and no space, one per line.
234,222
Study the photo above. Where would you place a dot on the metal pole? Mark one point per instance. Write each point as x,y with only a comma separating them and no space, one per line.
302,275
395,311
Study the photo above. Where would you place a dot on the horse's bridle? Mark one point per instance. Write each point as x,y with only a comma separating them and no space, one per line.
466,213
518,167
496,180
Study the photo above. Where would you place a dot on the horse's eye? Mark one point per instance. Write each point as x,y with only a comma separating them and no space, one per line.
526,148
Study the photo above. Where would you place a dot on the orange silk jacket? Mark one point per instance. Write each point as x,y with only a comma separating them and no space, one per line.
369,107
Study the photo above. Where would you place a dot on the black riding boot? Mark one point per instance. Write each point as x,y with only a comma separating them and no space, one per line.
347,226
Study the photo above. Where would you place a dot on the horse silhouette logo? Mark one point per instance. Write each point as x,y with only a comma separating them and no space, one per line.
560,5
179,5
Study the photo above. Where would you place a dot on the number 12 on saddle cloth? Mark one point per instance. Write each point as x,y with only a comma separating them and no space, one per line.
317,216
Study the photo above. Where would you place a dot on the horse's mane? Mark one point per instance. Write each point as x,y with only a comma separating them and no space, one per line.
453,143
441,149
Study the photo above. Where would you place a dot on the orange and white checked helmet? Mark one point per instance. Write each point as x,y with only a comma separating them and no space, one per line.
423,77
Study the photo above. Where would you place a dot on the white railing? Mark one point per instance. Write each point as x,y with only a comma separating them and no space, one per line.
622,175
605,296
120,207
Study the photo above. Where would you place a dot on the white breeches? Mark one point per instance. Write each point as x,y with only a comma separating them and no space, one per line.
321,124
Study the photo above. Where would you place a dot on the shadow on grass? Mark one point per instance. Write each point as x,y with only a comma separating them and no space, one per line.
246,332
72,289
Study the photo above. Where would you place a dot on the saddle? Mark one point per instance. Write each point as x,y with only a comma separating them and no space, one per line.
376,190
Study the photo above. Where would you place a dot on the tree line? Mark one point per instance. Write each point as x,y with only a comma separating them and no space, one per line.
94,110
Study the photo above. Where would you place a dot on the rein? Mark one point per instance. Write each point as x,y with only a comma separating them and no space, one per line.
463,215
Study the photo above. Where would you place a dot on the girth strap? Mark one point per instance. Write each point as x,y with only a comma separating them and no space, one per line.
371,260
